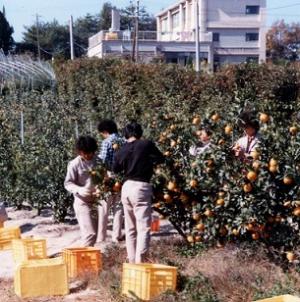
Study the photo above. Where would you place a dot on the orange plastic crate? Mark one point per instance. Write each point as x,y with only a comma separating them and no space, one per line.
146,281
284,298
81,261
28,249
155,225
7,234
44,277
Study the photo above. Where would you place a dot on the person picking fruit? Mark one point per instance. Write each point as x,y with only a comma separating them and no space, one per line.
136,160
78,182
112,141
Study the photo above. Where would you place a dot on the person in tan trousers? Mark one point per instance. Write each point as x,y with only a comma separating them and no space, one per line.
109,131
136,160
78,182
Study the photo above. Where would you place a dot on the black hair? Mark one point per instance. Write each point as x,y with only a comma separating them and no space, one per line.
253,124
107,126
248,119
133,129
86,144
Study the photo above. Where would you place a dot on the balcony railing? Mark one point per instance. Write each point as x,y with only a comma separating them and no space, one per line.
124,35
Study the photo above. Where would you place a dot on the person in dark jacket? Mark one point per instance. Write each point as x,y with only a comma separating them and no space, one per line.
136,160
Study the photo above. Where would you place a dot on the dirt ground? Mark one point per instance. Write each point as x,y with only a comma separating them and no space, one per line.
58,236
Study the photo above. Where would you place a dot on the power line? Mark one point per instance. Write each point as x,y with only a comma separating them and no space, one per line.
285,6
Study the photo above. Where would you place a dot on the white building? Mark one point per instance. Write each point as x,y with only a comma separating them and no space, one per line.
231,31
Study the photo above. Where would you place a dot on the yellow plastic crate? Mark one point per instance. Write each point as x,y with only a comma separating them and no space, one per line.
28,249
146,281
44,277
7,235
284,298
81,261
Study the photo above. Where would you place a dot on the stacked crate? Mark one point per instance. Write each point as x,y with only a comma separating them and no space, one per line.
28,249
7,234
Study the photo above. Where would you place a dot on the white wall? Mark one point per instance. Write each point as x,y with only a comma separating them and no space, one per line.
231,13
222,14
235,38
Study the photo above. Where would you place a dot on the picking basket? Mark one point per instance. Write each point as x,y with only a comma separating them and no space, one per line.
81,261
7,234
28,249
44,277
146,281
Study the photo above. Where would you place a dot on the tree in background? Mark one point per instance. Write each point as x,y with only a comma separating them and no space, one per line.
84,28
6,31
146,21
105,16
54,39
283,41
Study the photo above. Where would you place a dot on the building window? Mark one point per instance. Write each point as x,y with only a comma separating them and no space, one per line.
252,9
216,37
175,20
252,37
252,60
164,25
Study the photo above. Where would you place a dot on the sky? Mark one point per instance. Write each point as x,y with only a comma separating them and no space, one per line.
23,12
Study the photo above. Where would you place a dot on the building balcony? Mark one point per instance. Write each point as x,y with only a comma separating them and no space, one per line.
120,35
126,35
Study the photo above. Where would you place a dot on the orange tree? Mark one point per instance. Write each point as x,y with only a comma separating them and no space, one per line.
215,197
212,197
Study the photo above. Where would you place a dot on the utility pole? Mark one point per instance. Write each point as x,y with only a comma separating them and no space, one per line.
137,30
197,63
71,38
22,128
38,36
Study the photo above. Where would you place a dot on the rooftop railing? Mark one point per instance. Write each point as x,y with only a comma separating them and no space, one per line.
125,35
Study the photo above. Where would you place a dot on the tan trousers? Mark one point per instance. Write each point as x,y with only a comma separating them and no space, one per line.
87,220
103,213
136,199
